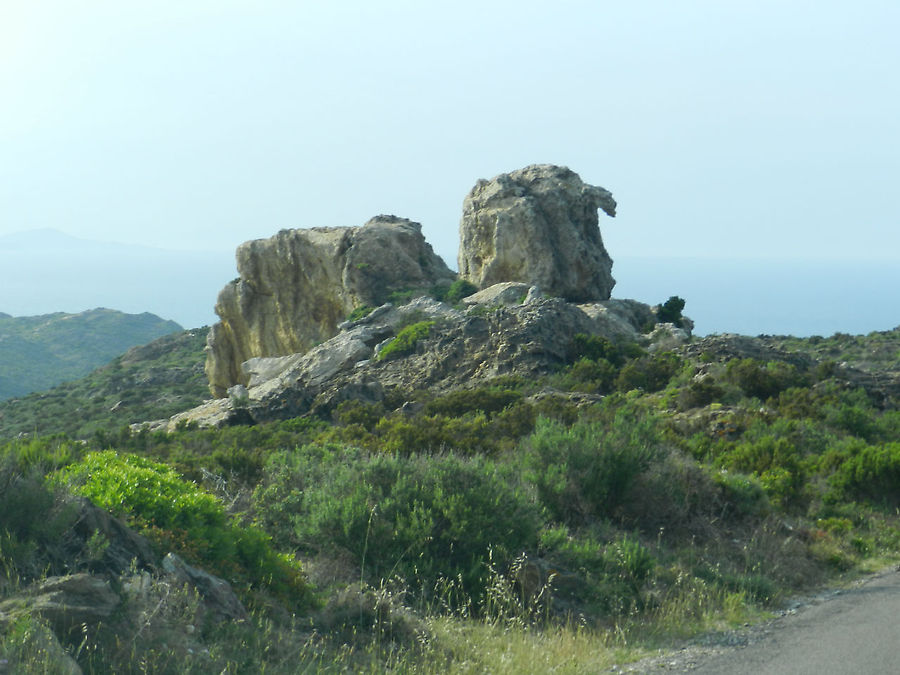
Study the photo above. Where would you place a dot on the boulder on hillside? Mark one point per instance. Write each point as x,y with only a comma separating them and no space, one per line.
66,603
538,226
296,287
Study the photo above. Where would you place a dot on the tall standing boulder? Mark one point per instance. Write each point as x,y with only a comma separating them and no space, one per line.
539,226
297,286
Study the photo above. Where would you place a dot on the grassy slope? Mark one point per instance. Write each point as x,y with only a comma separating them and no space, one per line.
38,352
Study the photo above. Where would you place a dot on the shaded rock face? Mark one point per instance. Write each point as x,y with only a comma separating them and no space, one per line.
538,226
296,287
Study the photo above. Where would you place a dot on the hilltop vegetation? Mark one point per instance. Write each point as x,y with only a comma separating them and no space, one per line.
39,352
153,380
627,500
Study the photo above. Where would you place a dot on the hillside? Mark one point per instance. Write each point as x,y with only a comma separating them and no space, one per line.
403,470
635,497
39,352
154,380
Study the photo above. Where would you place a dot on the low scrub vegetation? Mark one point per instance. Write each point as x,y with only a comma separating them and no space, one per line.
571,522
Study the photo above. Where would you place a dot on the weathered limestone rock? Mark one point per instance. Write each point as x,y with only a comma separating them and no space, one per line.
620,319
125,548
461,348
539,226
296,287
66,603
216,593
506,293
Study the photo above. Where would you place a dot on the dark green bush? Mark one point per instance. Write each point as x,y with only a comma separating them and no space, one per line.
743,495
481,399
421,518
592,377
699,393
871,473
587,469
593,347
458,290
597,347
670,311
433,433
34,519
764,380
650,373
359,412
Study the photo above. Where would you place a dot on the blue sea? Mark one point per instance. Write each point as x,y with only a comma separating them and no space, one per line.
773,297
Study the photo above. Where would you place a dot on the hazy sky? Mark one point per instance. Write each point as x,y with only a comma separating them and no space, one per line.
750,128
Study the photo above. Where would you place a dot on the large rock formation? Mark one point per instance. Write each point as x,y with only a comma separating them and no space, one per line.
497,334
296,287
537,225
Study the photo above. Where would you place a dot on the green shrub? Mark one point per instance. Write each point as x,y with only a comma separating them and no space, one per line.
359,412
597,347
481,399
403,296
592,377
422,518
33,521
175,512
670,311
743,495
854,418
764,380
872,473
405,341
629,561
774,459
593,347
458,290
433,433
650,373
586,470
360,313
699,393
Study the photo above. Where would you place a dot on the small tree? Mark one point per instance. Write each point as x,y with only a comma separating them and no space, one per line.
670,311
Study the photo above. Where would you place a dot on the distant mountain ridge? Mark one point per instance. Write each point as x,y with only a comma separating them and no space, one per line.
39,352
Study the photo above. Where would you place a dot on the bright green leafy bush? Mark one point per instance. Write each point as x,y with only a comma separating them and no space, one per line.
405,341
175,512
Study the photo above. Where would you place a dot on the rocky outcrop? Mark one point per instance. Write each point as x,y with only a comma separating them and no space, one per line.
538,226
508,330
296,287
215,593
124,589
66,603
